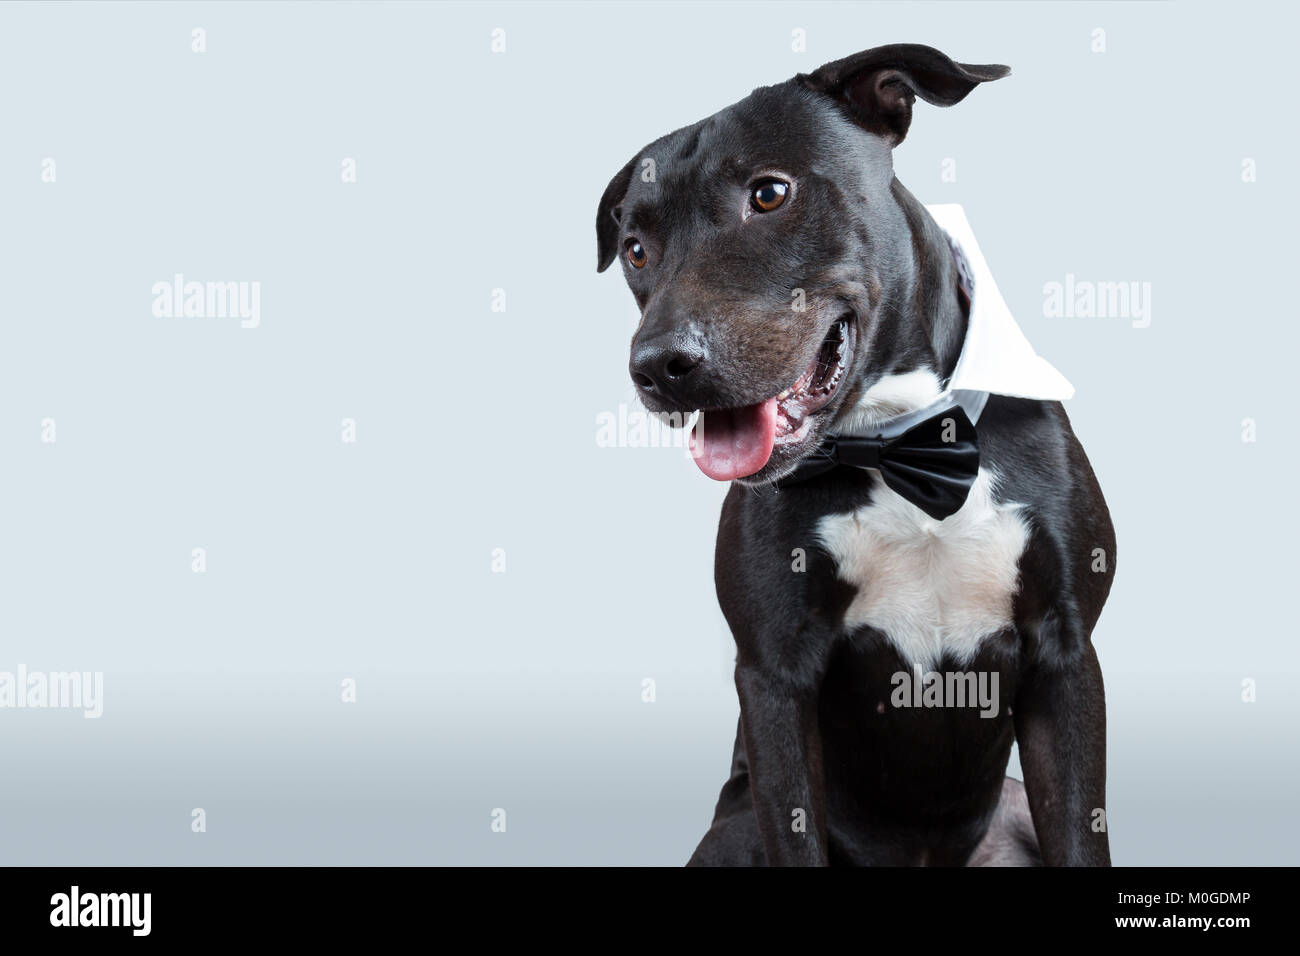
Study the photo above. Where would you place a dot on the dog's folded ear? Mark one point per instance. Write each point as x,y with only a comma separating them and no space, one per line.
607,216
877,87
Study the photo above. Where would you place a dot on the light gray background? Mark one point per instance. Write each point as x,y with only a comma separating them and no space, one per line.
476,430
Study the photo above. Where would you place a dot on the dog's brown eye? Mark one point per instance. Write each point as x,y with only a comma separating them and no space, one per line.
636,253
769,195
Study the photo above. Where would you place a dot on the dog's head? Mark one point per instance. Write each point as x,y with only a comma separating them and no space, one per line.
764,246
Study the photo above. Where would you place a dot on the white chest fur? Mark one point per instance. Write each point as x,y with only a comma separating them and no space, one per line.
929,586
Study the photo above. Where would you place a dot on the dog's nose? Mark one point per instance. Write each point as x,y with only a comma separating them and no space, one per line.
662,364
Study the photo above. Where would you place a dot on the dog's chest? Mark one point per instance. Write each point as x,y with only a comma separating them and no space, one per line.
931,587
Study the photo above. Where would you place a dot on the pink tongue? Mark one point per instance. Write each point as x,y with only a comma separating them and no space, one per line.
730,443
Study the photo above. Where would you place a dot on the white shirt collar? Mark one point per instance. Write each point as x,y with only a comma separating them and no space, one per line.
996,358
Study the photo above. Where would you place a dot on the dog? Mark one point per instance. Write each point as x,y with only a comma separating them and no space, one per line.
797,296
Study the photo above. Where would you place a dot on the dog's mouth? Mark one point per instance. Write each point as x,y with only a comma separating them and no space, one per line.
731,443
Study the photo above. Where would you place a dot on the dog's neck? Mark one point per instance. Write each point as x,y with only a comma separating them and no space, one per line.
935,302
919,330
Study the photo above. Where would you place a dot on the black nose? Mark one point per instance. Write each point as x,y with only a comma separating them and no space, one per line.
663,364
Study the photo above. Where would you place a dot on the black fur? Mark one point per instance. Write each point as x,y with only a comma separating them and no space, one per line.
878,785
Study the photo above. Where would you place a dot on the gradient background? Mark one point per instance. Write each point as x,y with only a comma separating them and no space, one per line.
477,429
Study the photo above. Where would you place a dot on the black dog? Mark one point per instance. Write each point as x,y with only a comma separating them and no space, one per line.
795,292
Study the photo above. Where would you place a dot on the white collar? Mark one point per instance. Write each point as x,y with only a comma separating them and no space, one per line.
996,358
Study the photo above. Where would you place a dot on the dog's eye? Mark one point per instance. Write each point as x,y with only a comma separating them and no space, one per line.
768,195
636,253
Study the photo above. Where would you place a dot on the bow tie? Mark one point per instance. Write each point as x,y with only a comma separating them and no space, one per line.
932,464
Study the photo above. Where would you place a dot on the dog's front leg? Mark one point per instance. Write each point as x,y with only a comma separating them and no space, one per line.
782,647
783,746
1060,718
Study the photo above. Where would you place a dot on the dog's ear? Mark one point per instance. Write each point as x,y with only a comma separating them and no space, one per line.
608,215
877,87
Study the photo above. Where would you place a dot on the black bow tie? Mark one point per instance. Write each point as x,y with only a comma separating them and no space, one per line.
933,464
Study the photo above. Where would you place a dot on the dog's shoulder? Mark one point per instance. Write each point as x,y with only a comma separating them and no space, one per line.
1039,461
1042,466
